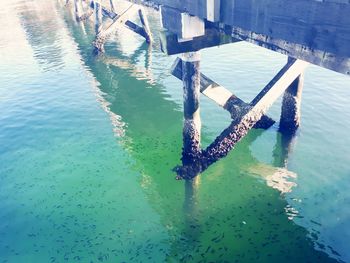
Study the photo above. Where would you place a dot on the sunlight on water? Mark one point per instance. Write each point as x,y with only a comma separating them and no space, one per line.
88,145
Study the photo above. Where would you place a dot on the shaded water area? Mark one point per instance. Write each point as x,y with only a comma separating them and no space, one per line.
88,145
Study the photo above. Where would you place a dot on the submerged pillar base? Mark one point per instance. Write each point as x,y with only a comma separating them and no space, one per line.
291,104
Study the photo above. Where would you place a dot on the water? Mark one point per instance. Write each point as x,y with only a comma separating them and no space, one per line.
88,144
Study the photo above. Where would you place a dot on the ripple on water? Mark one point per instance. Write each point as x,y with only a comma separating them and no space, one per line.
71,191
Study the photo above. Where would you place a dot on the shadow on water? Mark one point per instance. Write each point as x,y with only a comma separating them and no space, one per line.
228,214
36,22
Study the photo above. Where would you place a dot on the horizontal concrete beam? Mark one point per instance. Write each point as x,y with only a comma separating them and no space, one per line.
171,45
310,30
183,25
315,56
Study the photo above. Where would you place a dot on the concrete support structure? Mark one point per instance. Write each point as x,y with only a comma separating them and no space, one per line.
109,28
291,104
192,121
78,9
128,24
191,25
82,10
171,44
145,25
227,140
105,30
98,17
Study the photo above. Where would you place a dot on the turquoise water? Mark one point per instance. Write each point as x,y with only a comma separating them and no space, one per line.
88,145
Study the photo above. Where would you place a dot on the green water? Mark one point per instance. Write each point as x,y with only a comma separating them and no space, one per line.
88,145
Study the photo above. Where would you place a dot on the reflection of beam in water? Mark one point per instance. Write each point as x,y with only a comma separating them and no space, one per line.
278,176
280,180
141,73
116,120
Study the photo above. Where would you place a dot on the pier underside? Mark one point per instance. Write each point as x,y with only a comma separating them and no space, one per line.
306,31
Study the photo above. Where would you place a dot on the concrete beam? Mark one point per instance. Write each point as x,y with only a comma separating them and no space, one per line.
310,30
185,26
192,121
171,45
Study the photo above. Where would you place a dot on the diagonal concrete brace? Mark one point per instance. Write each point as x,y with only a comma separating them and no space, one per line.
223,97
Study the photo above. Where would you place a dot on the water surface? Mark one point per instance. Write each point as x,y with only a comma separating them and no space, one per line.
88,145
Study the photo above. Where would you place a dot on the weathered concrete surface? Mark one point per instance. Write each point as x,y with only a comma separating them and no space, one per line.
171,45
227,140
314,31
291,104
192,121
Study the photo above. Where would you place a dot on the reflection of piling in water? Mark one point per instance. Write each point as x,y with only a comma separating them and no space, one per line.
112,5
98,17
284,146
78,9
190,207
105,29
137,72
82,10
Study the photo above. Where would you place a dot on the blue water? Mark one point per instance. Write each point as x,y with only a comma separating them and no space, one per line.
88,145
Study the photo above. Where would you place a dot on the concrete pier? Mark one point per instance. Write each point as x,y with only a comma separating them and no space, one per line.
307,31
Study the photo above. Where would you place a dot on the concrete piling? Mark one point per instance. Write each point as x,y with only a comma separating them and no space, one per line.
192,121
291,104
